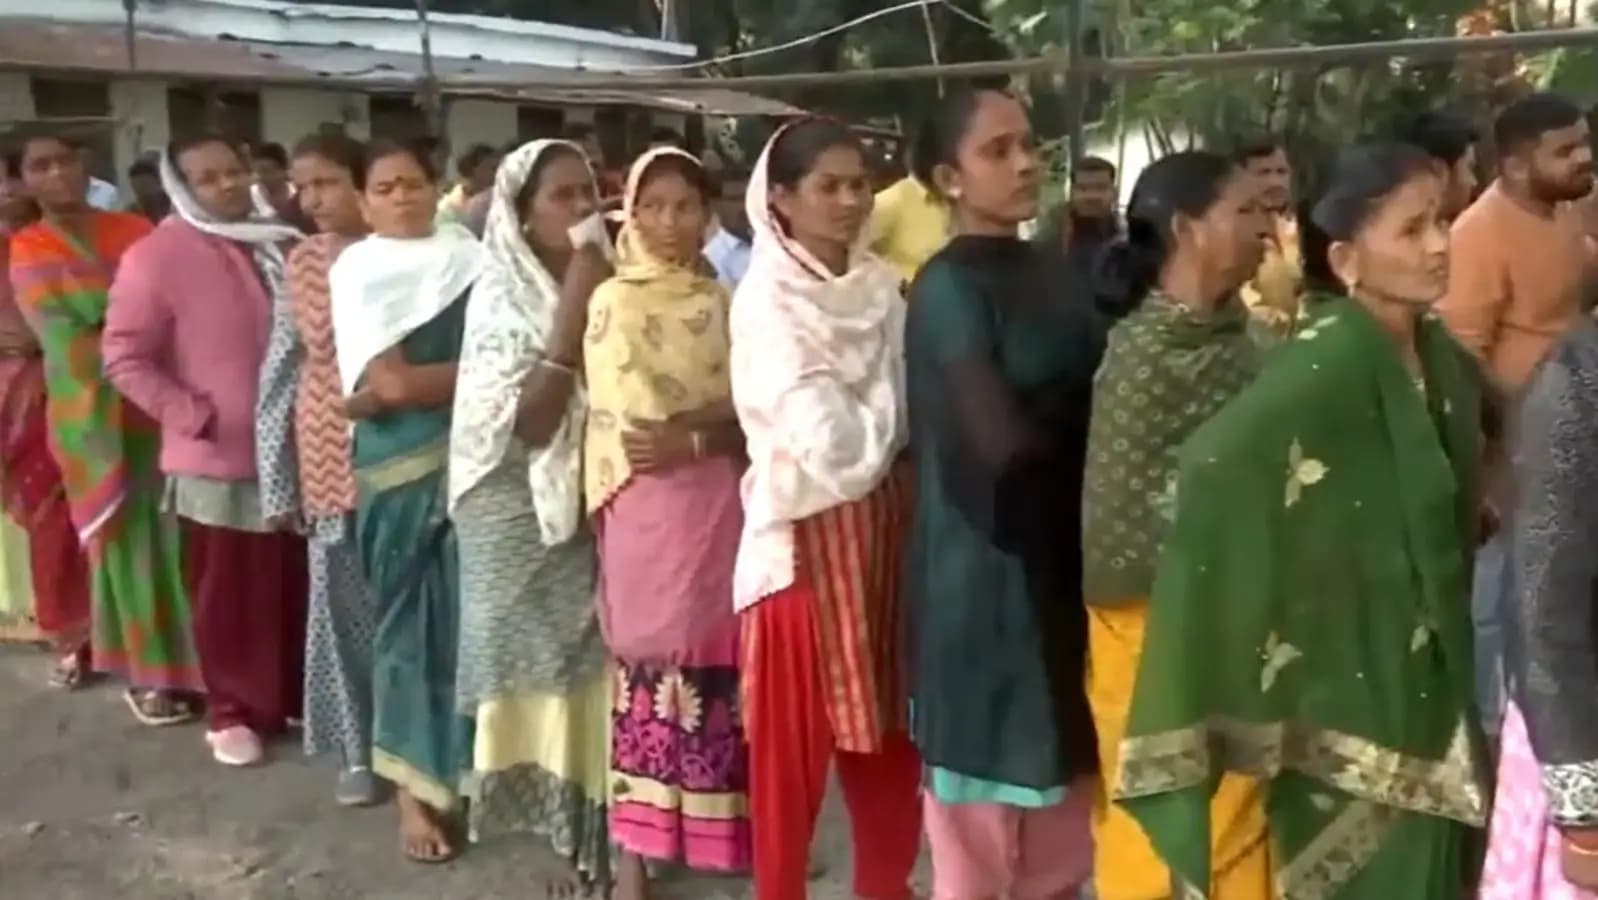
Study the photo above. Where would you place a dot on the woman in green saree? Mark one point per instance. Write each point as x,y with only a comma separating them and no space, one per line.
399,302
1310,617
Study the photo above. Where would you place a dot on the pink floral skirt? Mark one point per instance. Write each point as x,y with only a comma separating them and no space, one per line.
1523,849
679,764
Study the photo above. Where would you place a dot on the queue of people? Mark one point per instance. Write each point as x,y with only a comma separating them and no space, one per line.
1152,569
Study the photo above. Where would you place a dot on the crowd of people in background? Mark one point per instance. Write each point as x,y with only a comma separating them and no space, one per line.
1222,545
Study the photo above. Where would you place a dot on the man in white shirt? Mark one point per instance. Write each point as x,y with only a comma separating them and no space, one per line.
729,246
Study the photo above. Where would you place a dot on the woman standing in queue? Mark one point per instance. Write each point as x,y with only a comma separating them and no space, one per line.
107,450
818,380
663,457
533,672
398,307
343,610
1193,237
1000,371
1310,620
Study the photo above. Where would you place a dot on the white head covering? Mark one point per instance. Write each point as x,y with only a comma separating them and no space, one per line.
818,379
256,231
384,288
508,323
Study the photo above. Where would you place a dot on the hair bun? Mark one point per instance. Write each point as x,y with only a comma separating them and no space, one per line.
1122,275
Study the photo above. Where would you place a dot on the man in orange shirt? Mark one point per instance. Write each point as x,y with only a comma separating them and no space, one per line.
1519,264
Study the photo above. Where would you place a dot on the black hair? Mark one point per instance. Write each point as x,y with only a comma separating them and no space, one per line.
1445,135
176,149
270,152
1314,248
665,135
382,149
535,175
1258,148
1529,118
474,157
937,143
341,150
11,159
1188,183
691,171
147,164
799,146
1093,164
1363,177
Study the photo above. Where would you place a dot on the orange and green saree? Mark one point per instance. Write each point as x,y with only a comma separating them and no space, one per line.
107,452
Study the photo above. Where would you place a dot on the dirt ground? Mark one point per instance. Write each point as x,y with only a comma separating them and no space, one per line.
94,806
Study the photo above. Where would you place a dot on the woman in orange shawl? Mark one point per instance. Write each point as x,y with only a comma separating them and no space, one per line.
61,268
30,483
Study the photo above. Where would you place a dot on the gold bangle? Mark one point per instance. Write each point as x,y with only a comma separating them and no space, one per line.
1579,850
698,439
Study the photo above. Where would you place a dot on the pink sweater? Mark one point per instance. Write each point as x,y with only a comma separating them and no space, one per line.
184,340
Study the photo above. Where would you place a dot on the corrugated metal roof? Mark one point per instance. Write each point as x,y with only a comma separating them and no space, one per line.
35,44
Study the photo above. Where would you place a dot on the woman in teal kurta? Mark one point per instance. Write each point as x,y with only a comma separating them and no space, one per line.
398,302
1310,618
999,372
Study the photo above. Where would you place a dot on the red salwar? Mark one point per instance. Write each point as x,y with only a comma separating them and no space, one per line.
249,592
33,495
822,681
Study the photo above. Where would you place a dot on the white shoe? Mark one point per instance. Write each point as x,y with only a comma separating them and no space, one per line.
235,746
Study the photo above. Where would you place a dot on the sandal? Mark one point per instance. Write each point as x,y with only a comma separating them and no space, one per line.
158,709
71,670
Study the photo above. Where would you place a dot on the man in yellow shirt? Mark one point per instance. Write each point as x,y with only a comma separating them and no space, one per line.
1273,295
908,226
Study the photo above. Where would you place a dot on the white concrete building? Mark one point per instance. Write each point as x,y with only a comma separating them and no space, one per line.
271,70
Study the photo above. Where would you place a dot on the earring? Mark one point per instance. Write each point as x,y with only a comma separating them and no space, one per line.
954,193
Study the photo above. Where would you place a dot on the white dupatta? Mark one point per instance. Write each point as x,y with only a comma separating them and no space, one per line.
508,324
818,380
382,289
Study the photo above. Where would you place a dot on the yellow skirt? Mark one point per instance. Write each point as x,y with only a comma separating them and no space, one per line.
1125,865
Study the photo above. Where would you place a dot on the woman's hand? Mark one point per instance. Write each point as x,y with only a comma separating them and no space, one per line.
1580,858
362,404
658,446
587,270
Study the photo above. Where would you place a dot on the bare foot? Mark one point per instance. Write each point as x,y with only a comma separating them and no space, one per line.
632,878
422,837
566,884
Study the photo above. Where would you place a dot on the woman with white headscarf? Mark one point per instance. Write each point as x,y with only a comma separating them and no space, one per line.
818,380
197,317
532,669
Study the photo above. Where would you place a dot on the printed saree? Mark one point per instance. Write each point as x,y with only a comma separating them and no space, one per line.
1310,627
409,557
108,454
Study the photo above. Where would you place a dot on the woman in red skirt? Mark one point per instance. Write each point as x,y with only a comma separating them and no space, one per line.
817,377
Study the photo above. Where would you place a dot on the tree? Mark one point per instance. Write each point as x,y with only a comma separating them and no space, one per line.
1313,109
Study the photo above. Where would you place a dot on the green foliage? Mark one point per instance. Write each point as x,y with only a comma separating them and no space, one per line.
1315,110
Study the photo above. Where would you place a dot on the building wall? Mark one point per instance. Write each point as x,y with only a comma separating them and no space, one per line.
289,114
16,96
139,106
468,121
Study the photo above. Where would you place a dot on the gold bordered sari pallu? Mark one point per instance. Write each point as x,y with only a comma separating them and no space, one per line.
1310,621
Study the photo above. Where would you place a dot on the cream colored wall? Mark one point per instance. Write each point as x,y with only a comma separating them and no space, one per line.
288,114
468,121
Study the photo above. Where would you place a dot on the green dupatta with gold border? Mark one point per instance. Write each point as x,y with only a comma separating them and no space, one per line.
1310,626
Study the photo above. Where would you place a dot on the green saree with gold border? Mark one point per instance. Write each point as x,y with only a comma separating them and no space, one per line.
1310,625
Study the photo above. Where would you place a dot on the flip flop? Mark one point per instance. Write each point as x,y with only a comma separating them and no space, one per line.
181,711
71,672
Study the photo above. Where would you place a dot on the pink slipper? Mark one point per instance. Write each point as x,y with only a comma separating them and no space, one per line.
235,746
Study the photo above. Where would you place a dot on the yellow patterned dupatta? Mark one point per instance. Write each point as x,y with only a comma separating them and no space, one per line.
656,346
1310,621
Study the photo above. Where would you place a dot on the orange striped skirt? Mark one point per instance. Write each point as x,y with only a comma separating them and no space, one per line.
848,559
